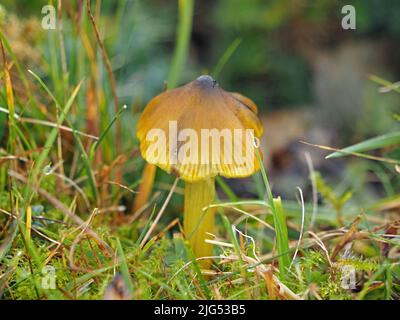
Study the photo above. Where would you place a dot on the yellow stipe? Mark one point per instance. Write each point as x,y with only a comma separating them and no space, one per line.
145,186
28,224
196,222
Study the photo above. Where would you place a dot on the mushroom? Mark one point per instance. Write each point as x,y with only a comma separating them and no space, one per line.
196,132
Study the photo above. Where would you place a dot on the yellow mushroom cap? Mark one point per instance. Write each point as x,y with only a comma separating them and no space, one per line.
201,108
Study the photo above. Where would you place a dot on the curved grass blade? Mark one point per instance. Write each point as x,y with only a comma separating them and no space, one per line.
382,141
225,57
97,143
390,86
357,154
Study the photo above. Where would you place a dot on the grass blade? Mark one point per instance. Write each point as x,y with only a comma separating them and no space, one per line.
282,240
124,267
382,141
186,8
104,133
225,57
281,234
53,133
387,84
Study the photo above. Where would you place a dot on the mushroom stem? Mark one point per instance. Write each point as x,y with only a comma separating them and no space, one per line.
196,222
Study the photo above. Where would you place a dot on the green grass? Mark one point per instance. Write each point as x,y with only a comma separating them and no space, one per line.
184,29
79,191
